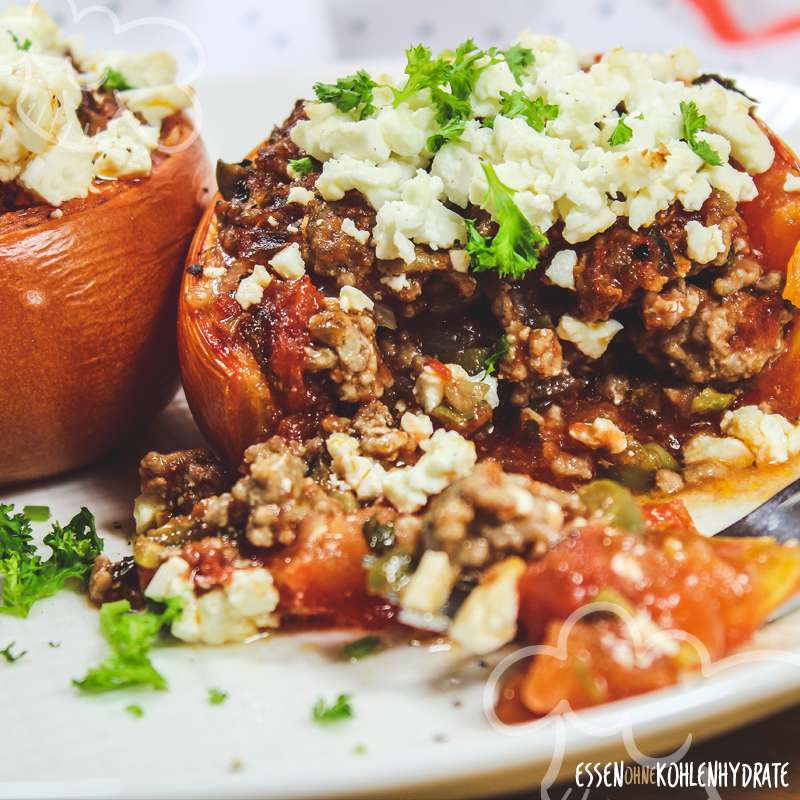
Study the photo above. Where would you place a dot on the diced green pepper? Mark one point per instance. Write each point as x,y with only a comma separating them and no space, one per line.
710,400
388,574
637,466
613,501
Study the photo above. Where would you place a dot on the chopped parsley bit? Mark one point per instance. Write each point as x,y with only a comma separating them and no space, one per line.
622,133
360,749
361,648
217,697
450,132
693,123
131,635
516,246
353,93
114,81
37,513
21,45
27,578
493,360
135,710
54,645
536,112
340,710
302,166
12,657
518,59
380,537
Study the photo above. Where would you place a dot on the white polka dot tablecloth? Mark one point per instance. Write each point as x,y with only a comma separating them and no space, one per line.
236,36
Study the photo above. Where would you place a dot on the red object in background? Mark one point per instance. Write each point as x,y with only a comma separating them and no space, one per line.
721,18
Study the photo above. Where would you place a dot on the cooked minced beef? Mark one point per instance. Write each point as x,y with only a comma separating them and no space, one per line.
686,325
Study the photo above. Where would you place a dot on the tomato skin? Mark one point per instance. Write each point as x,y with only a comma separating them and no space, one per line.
321,574
773,217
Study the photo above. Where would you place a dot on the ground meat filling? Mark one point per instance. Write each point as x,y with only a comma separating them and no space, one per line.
685,324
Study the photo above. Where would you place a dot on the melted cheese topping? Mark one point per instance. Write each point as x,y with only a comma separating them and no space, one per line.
42,144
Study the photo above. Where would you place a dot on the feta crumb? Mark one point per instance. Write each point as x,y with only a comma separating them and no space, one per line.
601,433
448,456
703,243
723,450
364,475
792,183
213,272
591,338
250,291
488,618
289,262
354,300
771,437
417,425
273,222
429,389
349,229
297,194
397,283
460,260
230,613
430,585
562,269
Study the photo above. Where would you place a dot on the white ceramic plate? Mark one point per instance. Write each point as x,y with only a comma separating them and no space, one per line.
418,710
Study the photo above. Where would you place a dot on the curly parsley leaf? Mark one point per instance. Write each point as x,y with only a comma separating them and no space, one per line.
26,577
693,123
114,81
135,710
516,246
519,59
352,93
10,657
217,697
536,112
361,648
130,634
324,714
303,166
621,134
493,360
23,45
450,132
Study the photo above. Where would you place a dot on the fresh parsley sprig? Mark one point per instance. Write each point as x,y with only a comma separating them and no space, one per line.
114,81
130,634
516,246
519,60
353,93
216,697
621,134
303,166
535,112
324,714
26,577
10,657
23,45
493,360
693,123
361,648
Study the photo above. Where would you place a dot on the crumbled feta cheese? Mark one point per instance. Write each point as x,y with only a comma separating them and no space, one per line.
600,433
447,457
792,183
419,217
138,69
703,243
42,143
723,450
430,585
562,269
591,338
299,195
156,103
288,263
771,437
231,613
213,272
487,620
349,229
364,475
429,389
460,260
569,172
251,289
397,283
354,300
417,425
